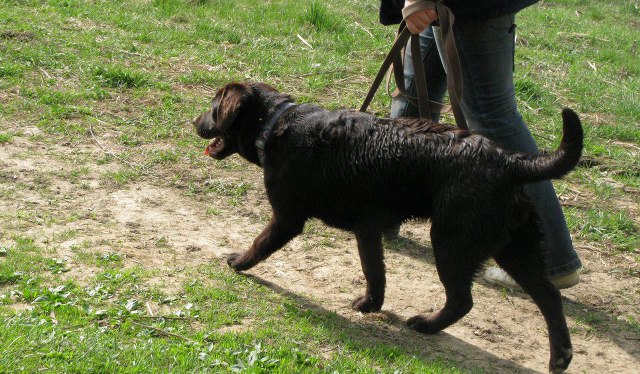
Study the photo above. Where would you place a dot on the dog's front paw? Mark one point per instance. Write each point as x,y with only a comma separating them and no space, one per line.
422,324
366,304
238,261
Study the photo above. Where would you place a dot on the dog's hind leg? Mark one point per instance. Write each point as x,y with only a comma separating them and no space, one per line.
277,233
522,259
459,303
372,261
456,266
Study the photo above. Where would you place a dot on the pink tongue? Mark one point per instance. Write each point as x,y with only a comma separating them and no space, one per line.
214,146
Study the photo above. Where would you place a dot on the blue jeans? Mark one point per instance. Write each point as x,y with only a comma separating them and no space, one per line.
486,50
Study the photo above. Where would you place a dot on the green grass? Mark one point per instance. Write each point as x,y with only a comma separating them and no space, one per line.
615,229
134,73
5,138
234,192
322,19
118,77
218,321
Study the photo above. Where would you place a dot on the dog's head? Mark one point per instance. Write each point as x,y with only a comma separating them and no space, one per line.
236,116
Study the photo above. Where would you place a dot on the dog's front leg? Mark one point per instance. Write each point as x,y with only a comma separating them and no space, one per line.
372,261
277,233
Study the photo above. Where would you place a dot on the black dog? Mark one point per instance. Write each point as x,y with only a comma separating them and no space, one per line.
365,174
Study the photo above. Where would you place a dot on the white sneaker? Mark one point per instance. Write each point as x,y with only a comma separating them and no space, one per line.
500,277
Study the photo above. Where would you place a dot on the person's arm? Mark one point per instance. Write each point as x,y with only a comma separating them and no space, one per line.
419,14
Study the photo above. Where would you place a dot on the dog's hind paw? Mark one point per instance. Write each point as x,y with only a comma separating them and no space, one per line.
366,304
561,363
422,324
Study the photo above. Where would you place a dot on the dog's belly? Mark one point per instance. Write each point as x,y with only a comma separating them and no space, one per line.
356,216
353,222
344,198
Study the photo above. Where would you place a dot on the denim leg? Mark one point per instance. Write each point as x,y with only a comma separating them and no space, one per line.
436,78
486,52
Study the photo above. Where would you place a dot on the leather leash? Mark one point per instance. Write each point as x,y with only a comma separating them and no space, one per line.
454,71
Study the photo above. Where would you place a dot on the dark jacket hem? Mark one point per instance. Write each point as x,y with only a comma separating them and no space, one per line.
391,10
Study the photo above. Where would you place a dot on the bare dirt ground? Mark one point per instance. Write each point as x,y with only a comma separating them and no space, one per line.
503,333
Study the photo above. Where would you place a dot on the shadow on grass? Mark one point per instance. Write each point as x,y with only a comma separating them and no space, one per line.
369,334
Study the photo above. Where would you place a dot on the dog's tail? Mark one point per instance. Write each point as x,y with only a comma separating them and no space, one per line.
552,165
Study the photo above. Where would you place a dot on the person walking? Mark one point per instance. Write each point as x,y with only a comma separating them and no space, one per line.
484,31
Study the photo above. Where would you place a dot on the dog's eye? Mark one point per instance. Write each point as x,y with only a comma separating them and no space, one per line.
215,114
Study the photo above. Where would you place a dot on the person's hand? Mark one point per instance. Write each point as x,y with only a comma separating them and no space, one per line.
418,21
421,18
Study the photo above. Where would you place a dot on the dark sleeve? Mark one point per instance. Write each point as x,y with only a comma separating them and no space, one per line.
485,9
391,10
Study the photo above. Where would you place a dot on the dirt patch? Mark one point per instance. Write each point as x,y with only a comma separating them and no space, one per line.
166,229
17,35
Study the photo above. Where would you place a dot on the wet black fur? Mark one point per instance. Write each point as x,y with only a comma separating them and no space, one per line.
366,175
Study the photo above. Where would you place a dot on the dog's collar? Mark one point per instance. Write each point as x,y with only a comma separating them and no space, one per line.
266,129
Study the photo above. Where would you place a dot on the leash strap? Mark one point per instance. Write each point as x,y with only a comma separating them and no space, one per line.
397,70
420,78
401,40
454,72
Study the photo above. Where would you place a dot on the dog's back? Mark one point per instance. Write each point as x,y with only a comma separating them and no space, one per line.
343,166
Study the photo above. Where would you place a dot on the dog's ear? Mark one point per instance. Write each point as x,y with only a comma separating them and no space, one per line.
228,103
